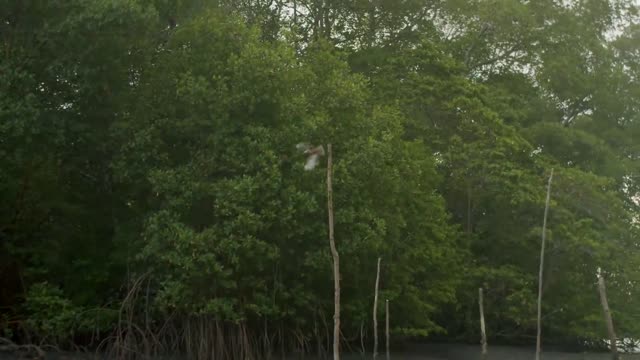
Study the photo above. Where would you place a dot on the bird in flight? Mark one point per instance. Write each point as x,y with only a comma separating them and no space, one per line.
313,154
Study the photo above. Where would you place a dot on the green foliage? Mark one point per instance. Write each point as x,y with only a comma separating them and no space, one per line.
50,313
229,199
158,137
54,318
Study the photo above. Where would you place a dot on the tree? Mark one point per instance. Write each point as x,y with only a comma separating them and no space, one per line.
66,70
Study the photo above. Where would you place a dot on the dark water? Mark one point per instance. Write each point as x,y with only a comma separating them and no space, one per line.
471,352
417,352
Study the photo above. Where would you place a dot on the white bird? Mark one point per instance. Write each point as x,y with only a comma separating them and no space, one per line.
313,154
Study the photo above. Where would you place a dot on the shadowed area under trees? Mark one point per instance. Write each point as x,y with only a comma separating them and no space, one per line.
153,201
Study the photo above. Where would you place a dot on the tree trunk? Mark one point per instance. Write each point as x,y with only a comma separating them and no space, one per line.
373,26
469,211
375,312
607,318
540,272
386,312
362,348
295,13
336,259
483,334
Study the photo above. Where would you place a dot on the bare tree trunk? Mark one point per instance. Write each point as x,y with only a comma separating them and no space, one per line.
326,20
483,334
540,272
375,312
373,26
336,259
295,13
469,211
362,349
386,312
294,26
607,318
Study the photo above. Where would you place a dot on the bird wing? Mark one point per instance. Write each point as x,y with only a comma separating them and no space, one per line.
303,147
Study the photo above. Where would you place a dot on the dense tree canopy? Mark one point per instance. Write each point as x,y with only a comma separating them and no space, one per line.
149,169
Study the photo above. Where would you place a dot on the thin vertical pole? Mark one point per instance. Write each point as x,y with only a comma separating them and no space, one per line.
387,328
483,334
540,272
375,312
336,259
